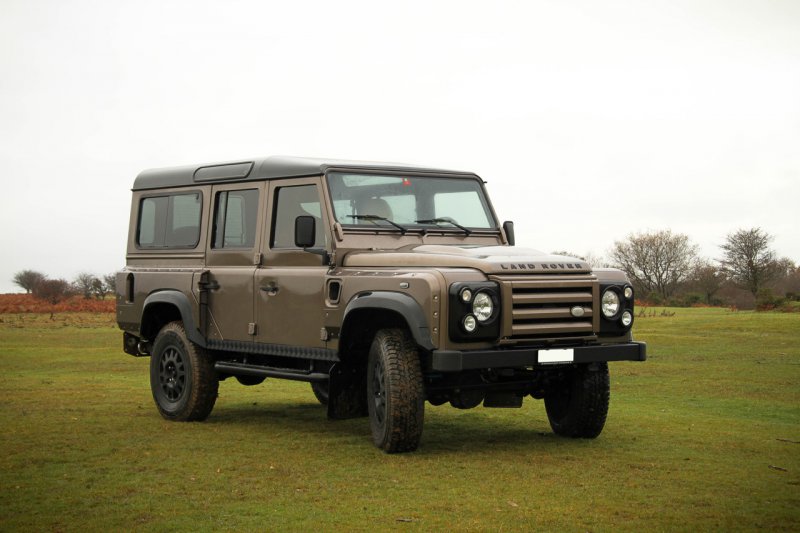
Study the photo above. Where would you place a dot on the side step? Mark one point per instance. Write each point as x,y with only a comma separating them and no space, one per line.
243,369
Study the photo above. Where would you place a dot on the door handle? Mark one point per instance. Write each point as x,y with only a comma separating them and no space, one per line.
210,286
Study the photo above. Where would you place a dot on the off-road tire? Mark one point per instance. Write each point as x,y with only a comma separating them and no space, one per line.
320,390
395,392
182,376
578,408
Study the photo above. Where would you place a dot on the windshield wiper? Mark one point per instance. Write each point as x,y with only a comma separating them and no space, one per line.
447,220
402,229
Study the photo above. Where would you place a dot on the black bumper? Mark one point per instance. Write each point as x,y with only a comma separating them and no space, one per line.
456,361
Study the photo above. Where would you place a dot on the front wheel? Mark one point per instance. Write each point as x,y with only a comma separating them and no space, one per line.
578,407
182,376
395,392
320,390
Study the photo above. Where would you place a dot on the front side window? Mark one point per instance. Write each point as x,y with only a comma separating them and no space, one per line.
235,216
290,203
411,202
169,221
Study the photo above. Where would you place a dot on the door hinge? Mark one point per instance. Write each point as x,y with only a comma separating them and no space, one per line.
251,328
257,258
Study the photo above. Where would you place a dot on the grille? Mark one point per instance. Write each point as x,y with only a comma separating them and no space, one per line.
539,308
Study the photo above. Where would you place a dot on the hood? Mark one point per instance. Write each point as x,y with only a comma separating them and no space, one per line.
488,259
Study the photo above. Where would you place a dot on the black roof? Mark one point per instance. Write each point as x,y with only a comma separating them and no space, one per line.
263,168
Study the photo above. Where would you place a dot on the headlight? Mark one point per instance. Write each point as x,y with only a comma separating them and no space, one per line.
474,311
482,306
627,318
469,323
610,303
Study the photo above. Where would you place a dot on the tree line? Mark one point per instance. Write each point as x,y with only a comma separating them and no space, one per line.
665,268
56,290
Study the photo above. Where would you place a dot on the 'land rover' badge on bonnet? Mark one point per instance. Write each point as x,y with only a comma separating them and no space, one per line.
577,311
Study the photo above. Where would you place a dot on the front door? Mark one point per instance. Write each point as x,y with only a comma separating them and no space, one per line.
232,253
289,285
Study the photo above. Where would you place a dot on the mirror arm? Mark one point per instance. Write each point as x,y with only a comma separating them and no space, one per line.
326,257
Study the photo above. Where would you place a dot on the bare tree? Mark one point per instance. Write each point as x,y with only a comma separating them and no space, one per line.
53,290
99,289
707,278
656,261
748,259
110,282
85,284
28,279
595,261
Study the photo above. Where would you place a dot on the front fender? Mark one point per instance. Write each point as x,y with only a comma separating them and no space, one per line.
400,303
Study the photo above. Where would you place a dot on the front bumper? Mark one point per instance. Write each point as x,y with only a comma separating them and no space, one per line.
456,361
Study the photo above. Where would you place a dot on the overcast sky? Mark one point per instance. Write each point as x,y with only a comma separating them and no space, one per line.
589,120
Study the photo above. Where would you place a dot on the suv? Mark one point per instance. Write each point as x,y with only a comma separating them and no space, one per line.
384,286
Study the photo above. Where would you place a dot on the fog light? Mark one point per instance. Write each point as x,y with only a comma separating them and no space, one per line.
469,323
628,293
610,303
466,295
627,318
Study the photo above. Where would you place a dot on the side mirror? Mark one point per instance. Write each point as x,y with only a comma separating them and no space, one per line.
508,228
305,230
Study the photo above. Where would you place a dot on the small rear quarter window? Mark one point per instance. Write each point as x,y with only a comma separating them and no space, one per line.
169,221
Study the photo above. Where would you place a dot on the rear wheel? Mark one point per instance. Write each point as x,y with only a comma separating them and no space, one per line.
579,406
395,392
182,376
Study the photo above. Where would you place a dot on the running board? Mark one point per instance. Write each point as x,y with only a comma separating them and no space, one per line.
242,369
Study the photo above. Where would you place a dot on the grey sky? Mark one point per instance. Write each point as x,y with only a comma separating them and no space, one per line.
588,119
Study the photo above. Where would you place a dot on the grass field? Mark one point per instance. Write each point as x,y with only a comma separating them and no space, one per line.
705,435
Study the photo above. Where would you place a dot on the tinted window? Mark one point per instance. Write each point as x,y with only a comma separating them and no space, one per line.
292,202
171,221
235,214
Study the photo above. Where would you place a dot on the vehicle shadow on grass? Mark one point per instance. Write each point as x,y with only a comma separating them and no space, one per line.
443,433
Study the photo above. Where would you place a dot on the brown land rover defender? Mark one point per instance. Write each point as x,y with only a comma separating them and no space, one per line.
384,286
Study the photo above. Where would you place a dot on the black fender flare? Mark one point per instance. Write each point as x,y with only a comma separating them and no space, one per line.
400,303
181,302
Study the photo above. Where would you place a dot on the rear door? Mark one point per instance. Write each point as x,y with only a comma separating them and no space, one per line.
231,257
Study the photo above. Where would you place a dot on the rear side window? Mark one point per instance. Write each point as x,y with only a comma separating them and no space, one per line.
169,221
235,215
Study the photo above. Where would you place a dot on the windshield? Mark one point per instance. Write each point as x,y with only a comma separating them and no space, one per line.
411,202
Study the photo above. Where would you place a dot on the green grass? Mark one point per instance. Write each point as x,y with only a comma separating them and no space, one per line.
704,435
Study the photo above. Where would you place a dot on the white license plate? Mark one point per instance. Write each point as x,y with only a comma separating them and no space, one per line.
566,355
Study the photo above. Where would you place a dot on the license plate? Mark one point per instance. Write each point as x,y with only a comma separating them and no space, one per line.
566,355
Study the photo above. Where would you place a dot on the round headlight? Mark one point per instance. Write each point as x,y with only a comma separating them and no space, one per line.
610,303
628,293
469,323
466,295
627,318
482,306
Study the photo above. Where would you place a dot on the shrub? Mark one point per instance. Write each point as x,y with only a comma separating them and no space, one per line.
767,300
53,291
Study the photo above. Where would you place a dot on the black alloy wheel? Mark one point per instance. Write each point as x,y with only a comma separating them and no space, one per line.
172,373
182,376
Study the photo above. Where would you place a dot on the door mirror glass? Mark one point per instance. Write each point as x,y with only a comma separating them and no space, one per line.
304,231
